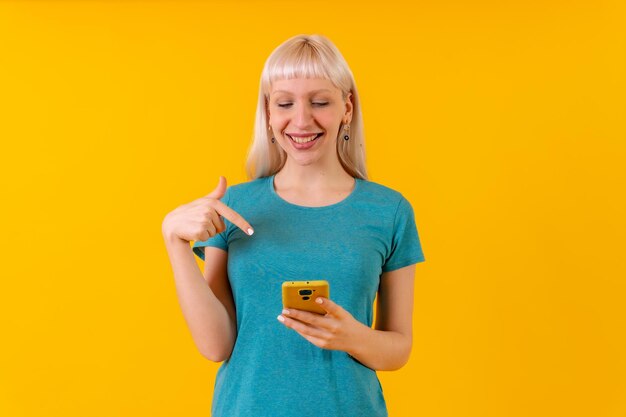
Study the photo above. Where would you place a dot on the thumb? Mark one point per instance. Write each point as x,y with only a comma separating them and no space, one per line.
330,306
219,191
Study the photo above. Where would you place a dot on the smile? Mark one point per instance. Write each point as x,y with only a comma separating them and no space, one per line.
305,139
304,143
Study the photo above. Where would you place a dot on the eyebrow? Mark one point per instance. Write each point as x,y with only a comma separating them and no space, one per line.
314,91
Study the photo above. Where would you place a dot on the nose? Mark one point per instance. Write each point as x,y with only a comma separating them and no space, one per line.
302,115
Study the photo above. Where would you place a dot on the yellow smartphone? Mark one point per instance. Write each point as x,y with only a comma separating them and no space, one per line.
302,294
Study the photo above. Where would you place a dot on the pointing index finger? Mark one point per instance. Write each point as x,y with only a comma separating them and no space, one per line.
234,217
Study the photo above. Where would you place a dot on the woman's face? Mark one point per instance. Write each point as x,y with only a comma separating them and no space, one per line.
301,108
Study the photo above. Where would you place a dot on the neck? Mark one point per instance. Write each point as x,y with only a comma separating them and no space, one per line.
312,177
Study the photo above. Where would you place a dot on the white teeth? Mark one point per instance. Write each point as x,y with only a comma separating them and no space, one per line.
303,139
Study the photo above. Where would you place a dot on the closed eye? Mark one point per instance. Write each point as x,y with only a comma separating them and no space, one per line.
289,104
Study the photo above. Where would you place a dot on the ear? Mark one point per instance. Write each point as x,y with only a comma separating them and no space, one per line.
349,106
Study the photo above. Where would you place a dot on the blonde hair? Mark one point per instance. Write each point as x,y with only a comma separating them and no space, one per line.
306,56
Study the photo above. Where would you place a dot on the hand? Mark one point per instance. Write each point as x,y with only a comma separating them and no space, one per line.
201,219
337,330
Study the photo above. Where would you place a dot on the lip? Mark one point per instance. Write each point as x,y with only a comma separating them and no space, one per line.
304,146
302,135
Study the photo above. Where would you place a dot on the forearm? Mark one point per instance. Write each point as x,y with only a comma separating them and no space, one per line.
205,315
381,350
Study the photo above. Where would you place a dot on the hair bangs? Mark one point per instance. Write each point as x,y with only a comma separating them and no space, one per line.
301,60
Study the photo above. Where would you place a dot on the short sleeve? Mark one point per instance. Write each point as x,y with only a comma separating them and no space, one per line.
405,248
219,240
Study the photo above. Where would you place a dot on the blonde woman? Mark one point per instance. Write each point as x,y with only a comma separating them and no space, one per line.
308,212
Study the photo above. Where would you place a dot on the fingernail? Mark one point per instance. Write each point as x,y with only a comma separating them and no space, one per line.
286,312
318,300
250,231
281,318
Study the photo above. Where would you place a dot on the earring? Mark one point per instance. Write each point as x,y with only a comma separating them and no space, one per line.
270,128
346,127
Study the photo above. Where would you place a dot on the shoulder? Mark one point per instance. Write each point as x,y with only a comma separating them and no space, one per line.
385,195
248,185
250,190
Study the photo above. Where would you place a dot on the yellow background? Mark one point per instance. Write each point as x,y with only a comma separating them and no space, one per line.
502,122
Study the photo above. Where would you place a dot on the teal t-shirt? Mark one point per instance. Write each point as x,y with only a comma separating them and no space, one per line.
273,371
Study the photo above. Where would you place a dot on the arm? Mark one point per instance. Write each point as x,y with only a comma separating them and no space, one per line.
388,346
209,320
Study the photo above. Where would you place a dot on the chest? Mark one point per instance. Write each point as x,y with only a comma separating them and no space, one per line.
346,250
314,199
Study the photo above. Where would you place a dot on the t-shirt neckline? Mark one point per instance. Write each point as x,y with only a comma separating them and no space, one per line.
346,200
